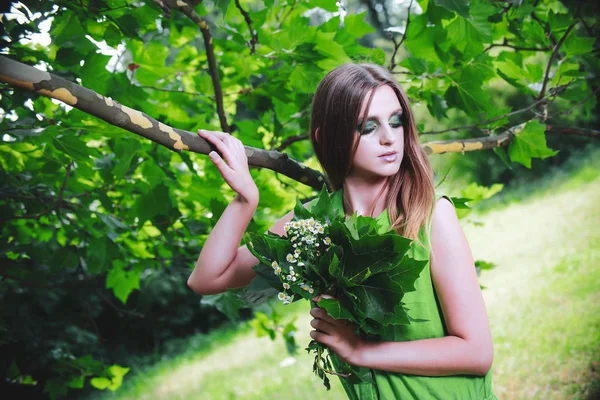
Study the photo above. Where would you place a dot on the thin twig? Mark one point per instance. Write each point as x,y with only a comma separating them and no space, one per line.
186,9
555,52
397,45
248,20
499,117
286,15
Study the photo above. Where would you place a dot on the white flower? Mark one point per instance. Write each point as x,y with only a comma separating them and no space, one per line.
297,251
288,277
281,296
311,290
277,270
286,285
327,240
287,298
286,302
290,258
274,264
300,264
320,229
286,227
293,279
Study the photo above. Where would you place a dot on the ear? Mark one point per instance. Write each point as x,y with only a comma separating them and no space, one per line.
317,138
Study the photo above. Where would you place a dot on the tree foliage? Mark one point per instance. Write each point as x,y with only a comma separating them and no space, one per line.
100,226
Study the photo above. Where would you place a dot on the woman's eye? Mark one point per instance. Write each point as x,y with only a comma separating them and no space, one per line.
396,121
369,127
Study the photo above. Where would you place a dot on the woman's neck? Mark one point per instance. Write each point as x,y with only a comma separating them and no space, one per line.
360,196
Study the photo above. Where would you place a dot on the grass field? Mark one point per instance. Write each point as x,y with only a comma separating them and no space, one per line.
543,301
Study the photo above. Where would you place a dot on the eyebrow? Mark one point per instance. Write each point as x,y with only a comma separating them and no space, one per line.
373,118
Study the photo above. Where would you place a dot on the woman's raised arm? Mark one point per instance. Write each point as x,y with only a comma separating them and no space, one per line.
221,263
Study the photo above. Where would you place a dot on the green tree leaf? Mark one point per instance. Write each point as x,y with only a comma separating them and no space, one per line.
530,143
461,7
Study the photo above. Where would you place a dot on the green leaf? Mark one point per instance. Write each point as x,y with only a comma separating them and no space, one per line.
326,46
115,380
468,96
94,74
122,282
228,303
436,105
327,5
356,25
335,309
222,5
530,143
576,45
75,147
461,7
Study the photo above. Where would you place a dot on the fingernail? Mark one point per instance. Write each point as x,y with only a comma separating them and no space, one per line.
212,154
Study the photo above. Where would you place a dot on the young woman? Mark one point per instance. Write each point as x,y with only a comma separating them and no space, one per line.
364,135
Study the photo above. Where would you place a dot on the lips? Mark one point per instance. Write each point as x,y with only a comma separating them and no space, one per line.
389,153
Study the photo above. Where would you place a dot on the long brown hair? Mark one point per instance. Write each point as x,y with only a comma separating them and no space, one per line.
335,112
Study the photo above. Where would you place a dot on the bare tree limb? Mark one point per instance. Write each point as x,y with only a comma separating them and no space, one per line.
559,89
397,45
518,48
186,8
462,145
567,130
248,20
290,140
555,52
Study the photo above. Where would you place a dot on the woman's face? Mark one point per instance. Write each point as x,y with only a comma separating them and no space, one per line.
383,133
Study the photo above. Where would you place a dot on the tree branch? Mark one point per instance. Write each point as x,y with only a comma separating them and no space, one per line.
29,78
462,145
555,52
567,130
518,48
559,89
184,7
248,20
397,45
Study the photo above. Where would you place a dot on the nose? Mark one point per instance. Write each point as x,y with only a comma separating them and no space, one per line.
387,134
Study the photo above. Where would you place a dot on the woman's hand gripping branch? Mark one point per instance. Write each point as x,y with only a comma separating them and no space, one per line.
234,166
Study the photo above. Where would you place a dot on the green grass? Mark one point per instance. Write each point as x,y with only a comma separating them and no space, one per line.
542,301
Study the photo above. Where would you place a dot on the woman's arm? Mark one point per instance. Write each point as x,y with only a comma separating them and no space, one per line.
221,264
467,350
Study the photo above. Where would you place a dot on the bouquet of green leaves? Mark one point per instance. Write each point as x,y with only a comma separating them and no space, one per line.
366,270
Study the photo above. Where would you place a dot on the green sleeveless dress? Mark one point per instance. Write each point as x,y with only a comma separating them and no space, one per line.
423,304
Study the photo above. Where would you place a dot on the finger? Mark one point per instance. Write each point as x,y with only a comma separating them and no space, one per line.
322,314
216,134
321,337
221,147
230,147
322,325
220,164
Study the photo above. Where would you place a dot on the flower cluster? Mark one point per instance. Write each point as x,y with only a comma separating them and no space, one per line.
306,236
